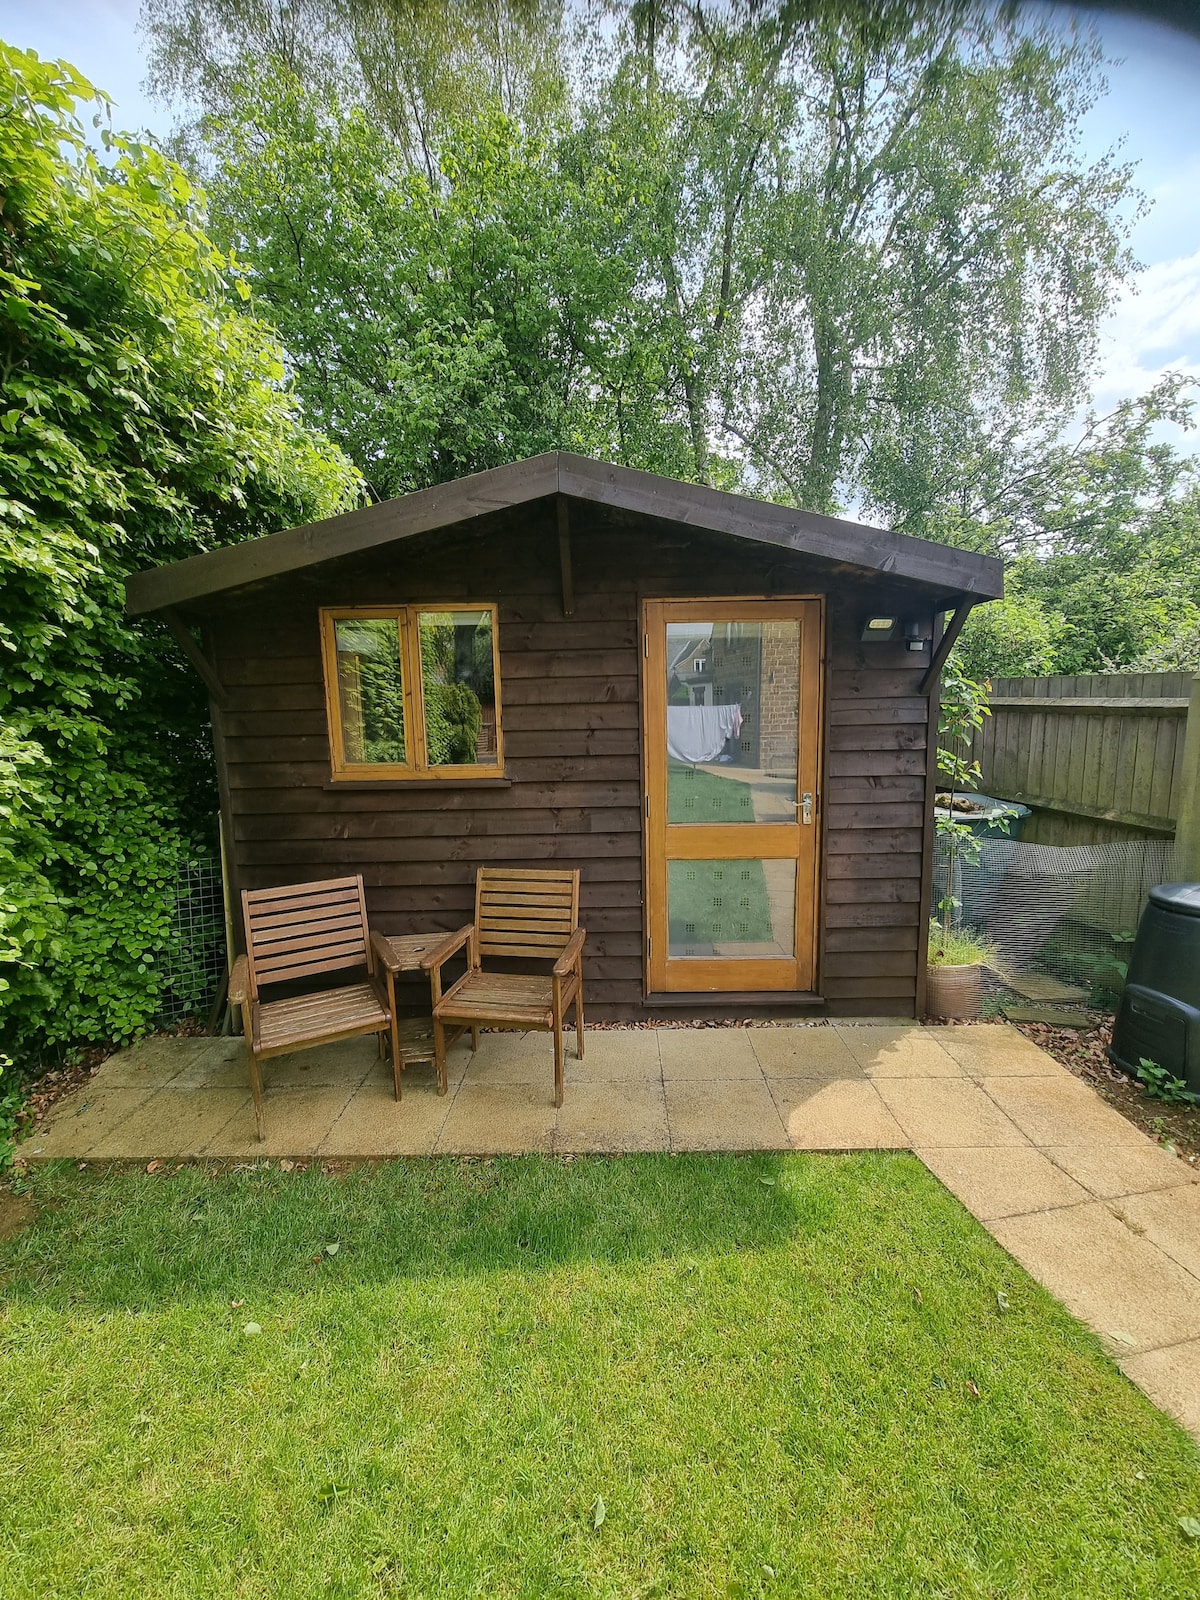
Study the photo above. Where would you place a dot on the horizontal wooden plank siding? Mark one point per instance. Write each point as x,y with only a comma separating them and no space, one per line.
572,787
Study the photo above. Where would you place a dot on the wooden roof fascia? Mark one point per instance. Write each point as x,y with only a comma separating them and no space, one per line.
851,546
349,533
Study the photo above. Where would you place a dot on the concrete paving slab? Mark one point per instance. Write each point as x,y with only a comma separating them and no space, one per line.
372,1125
711,1114
1119,1283
994,1050
1003,1182
1171,1380
1169,1218
80,1121
612,1115
176,1122
836,1114
947,1112
1060,1110
513,1058
1135,1166
328,1066
297,1122
153,1062
707,1053
899,1052
616,1055
492,1119
222,1064
803,1053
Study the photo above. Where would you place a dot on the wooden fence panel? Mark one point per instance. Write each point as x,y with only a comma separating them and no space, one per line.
1102,746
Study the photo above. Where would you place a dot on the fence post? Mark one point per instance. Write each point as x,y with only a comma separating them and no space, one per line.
1187,824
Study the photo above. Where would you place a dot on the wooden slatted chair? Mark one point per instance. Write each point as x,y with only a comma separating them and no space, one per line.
518,913
299,932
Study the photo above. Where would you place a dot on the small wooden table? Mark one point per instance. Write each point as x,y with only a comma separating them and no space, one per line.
407,951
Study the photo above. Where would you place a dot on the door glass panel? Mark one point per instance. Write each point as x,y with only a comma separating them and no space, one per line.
731,909
370,686
733,710
458,688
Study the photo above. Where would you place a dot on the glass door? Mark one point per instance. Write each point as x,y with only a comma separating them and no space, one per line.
731,698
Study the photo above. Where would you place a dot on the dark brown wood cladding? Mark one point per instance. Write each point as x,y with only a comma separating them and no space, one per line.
571,710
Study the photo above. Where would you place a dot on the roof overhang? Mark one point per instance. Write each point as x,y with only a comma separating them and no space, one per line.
957,574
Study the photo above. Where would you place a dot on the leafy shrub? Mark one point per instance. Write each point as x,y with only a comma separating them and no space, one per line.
1162,1085
145,418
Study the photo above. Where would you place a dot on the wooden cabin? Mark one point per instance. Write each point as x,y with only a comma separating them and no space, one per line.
722,711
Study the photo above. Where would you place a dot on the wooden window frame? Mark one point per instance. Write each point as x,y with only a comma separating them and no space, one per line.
408,627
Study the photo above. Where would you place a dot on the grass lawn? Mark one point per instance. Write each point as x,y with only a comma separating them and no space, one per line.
782,1376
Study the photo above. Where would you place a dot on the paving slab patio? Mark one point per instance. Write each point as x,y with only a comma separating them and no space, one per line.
1104,1218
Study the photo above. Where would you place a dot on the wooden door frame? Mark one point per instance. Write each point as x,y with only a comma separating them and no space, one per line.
809,609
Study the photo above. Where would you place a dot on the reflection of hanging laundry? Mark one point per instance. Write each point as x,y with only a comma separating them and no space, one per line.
698,733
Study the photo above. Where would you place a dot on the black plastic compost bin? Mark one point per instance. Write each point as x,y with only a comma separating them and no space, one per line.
1159,1016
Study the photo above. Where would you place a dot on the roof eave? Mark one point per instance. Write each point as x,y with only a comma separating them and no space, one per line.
854,545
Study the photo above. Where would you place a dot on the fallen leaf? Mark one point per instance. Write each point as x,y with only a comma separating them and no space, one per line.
332,1249
1123,1338
1190,1527
287,1166
155,1166
770,1182
918,1297
236,1303
251,1328
973,1388
598,1511
1001,1300
768,1571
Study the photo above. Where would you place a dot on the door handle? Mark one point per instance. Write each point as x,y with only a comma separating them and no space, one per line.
806,808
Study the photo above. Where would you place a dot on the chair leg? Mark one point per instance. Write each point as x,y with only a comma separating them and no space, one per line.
474,1040
256,1089
439,1054
397,1064
579,1022
558,1059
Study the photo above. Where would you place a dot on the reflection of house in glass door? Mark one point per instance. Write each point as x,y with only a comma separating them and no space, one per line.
731,739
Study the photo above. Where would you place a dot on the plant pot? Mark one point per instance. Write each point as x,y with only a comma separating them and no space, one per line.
954,992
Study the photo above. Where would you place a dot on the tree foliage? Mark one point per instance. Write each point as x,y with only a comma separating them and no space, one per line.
144,418
828,260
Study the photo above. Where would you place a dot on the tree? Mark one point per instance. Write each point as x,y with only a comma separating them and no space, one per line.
1103,539
145,418
412,66
832,258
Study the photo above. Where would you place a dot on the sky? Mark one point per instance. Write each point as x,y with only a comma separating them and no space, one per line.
1152,111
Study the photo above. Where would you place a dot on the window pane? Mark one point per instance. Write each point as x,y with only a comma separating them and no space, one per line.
731,909
459,689
370,685
733,706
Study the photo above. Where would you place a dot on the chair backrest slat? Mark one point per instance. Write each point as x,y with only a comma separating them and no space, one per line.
305,928
525,913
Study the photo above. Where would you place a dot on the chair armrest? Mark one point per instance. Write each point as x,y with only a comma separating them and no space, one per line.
572,953
239,982
450,945
383,950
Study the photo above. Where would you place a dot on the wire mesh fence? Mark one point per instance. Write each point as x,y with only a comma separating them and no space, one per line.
194,960
1060,916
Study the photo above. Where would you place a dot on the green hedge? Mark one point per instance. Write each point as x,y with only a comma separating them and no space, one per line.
145,417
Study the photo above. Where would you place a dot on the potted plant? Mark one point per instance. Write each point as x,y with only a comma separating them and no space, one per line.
954,982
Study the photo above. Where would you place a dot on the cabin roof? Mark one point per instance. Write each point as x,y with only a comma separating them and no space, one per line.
850,546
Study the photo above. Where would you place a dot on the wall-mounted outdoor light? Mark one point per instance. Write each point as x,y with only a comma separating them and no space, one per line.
914,636
879,629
